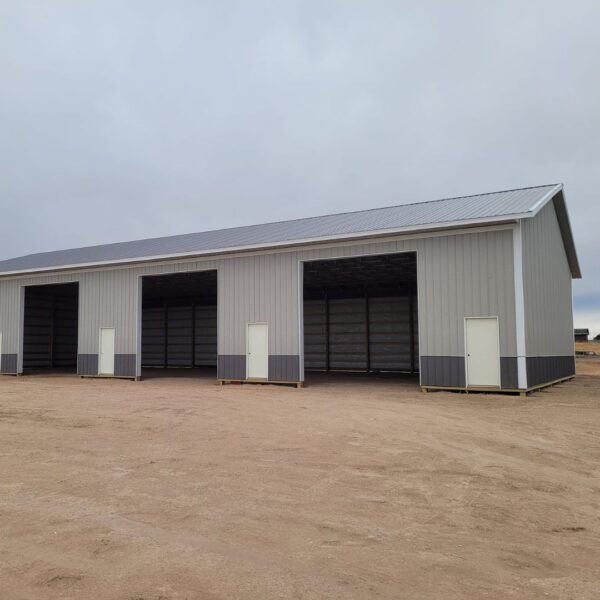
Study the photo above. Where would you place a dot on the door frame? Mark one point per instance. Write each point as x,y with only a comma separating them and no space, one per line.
100,350
361,249
493,387
169,270
248,349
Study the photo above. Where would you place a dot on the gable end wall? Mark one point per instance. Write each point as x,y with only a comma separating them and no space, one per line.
548,300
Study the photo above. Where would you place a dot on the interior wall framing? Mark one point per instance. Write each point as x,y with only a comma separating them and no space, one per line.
362,315
179,322
50,326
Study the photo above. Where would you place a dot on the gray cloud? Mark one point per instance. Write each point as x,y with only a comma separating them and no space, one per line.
125,120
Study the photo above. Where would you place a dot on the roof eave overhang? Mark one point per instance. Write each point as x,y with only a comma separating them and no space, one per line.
469,223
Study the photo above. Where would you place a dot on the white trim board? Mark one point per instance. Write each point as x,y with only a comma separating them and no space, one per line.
519,306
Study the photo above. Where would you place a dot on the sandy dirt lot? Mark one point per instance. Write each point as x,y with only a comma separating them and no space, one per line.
179,489
588,347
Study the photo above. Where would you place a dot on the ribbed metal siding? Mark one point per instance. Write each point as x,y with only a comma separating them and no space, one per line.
171,337
315,334
206,336
10,305
389,334
180,336
153,337
469,274
466,275
547,287
37,346
388,328
347,334
108,299
50,333
257,289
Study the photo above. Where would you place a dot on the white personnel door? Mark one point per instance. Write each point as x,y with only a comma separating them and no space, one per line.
106,359
483,352
257,358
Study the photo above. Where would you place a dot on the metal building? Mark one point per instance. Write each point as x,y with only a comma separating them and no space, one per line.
471,292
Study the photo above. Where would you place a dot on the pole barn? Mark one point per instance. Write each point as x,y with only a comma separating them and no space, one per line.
471,293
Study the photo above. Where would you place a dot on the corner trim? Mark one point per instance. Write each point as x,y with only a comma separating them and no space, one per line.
519,306
535,209
21,330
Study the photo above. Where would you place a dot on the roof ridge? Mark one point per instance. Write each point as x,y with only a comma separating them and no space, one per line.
350,212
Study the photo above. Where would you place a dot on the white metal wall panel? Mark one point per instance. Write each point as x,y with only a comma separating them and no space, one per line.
469,274
261,288
547,287
108,299
466,274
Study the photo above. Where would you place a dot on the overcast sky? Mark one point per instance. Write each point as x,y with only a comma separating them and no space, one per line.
129,119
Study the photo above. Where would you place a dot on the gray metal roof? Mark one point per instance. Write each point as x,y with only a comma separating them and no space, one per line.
450,212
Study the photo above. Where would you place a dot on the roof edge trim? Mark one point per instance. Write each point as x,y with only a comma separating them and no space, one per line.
535,209
564,224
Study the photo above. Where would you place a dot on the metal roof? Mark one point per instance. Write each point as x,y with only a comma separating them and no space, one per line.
436,214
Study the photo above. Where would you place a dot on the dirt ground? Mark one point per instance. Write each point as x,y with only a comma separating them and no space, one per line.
588,347
351,488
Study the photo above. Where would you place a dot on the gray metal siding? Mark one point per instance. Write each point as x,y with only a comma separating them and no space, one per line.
443,371
50,332
509,373
546,287
449,371
189,340
124,365
543,369
389,334
459,274
284,368
8,364
87,364
231,366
